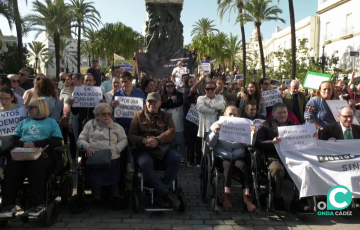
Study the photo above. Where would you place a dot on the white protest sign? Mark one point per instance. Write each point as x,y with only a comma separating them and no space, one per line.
313,79
288,82
10,119
178,80
128,106
315,171
205,67
228,80
236,129
193,115
271,97
257,123
239,77
298,137
335,106
87,96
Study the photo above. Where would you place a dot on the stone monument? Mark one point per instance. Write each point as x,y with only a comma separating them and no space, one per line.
164,30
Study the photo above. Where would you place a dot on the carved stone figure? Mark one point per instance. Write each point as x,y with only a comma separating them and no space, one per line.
164,30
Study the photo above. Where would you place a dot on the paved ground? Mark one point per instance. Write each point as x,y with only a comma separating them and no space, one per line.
198,216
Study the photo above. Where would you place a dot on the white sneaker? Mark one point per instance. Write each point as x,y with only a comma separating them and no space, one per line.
36,211
8,211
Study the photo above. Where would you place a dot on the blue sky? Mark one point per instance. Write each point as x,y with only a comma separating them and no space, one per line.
133,13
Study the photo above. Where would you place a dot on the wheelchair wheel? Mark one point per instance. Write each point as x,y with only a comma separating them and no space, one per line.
77,203
51,214
3,223
135,203
66,190
183,202
205,176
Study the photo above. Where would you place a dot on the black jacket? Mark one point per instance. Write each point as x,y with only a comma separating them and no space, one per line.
170,104
268,130
257,116
335,131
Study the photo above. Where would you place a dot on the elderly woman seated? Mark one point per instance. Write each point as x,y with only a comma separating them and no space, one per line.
99,134
34,132
232,154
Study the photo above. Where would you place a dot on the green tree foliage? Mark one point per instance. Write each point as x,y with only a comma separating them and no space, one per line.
40,54
9,59
203,27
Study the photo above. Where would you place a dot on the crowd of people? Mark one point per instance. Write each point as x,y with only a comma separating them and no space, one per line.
52,118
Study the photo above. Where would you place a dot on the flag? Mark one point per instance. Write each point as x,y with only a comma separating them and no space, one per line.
118,57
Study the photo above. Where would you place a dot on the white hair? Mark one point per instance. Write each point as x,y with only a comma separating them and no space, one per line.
11,76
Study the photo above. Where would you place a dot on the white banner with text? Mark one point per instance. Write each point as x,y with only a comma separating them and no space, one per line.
87,96
128,106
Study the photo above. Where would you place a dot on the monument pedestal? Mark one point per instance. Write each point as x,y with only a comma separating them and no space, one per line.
164,30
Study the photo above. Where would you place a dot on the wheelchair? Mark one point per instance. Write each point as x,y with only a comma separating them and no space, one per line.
140,185
59,184
211,170
81,200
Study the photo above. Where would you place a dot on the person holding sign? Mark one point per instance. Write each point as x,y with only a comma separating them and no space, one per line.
11,114
343,130
316,110
37,131
266,137
115,84
232,154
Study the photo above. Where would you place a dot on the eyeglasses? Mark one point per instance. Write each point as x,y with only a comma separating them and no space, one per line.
15,81
347,117
22,74
210,89
31,108
169,86
5,99
106,114
266,83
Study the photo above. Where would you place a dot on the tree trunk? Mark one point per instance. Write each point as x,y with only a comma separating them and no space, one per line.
57,54
78,47
89,61
293,39
18,34
36,65
261,50
243,38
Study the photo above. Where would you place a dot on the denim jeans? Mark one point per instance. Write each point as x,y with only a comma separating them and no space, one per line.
180,140
146,163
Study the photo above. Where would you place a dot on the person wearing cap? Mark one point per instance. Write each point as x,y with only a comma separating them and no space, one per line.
152,130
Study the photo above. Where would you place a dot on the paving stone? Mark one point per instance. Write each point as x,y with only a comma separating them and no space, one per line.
182,227
77,225
242,227
118,225
223,227
161,226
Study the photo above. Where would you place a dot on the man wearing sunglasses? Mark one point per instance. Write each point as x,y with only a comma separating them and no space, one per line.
25,83
15,84
94,70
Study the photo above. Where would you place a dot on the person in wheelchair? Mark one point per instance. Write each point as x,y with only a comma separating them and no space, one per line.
38,130
98,134
152,130
232,155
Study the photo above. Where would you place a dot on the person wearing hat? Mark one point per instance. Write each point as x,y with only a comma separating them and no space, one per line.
152,130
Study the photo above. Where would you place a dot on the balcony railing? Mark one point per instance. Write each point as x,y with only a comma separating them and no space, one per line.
347,30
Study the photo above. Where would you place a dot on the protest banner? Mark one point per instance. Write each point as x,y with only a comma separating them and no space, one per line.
275,82
118,57
205,67
126,65
161,64
271,97
313,80
128,106
257,123
315,171
10,119
236,129
287,82
193,115
298,137
87,96
239,77
83,70
335,106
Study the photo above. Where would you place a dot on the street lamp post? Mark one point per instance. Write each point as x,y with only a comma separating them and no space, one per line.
323,60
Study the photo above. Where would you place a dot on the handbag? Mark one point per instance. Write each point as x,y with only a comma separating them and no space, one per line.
101,159
160,151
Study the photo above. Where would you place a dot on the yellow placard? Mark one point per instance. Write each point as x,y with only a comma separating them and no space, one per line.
84,69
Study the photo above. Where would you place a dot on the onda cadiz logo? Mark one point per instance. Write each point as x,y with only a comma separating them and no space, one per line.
338,198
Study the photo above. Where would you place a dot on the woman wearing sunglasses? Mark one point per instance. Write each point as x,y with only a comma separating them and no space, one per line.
208,107
172,102
99,134
34,132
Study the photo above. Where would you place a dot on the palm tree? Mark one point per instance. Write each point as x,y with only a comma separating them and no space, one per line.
54,19
7,12
85,14
293,38
39,53
204,26
232,49
67,51
235,5
259,11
